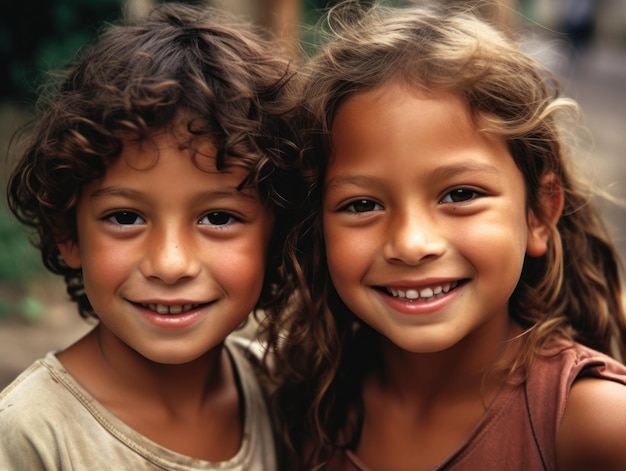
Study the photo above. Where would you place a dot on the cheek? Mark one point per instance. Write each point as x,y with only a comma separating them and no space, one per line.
106,268
347,256
498,246
334,248
243,265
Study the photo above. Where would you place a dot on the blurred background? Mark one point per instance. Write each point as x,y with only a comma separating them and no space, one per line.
582,41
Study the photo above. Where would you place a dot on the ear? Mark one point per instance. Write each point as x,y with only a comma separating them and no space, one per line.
70,253
540,226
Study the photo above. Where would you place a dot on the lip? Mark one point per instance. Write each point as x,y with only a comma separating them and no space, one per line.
171,308
193,313
420,306
422,292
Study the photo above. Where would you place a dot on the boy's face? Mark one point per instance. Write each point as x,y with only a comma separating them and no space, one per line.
425,220
173,255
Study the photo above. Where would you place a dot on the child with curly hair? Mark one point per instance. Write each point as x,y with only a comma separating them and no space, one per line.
157,180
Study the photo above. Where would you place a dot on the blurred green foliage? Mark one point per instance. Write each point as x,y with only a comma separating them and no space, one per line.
41,35
20,261
20,264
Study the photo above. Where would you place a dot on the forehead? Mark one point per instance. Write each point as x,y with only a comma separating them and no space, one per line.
399,127
170,163
396,95
395,112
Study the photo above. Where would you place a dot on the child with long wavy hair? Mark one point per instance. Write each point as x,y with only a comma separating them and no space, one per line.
461,301
158,179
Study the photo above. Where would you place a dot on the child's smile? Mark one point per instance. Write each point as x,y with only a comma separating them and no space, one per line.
173,315
173,254
425,218
422,294
164,309
420,297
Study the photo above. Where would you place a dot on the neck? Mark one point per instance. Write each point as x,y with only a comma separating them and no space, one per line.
472,366
193,408
115,370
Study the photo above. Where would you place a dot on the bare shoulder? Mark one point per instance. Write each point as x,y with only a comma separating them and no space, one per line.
591,434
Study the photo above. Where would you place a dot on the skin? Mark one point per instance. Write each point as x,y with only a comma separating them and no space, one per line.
593,427
161,234
416,200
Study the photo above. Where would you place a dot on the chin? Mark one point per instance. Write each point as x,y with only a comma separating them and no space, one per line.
173,356
425,344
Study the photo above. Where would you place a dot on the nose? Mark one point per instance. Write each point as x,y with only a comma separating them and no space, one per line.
171,255
413,238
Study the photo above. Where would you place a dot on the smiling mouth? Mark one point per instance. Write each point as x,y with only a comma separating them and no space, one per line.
424,294
171,309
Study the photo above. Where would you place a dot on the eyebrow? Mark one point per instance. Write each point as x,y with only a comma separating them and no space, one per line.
349,179
443,172
449,171
120,192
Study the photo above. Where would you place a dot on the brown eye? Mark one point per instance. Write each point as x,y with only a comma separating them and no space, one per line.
125,218
363,206
459,195
217,218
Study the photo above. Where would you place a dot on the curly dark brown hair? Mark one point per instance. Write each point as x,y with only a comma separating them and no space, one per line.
573,291
225,80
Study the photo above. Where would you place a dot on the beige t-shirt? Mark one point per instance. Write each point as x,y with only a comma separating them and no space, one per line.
49,422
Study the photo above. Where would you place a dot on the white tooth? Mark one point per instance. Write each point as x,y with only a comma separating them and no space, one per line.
394,292
446,287
437,290
401,294
412,294
426,293
162,309
187,307
176,309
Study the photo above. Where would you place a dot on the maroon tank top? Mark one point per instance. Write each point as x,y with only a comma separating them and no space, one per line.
518,431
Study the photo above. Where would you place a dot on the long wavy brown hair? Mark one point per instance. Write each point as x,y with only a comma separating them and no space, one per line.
215,74
573,291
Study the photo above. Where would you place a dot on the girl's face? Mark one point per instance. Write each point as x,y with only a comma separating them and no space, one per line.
425,219
173,256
